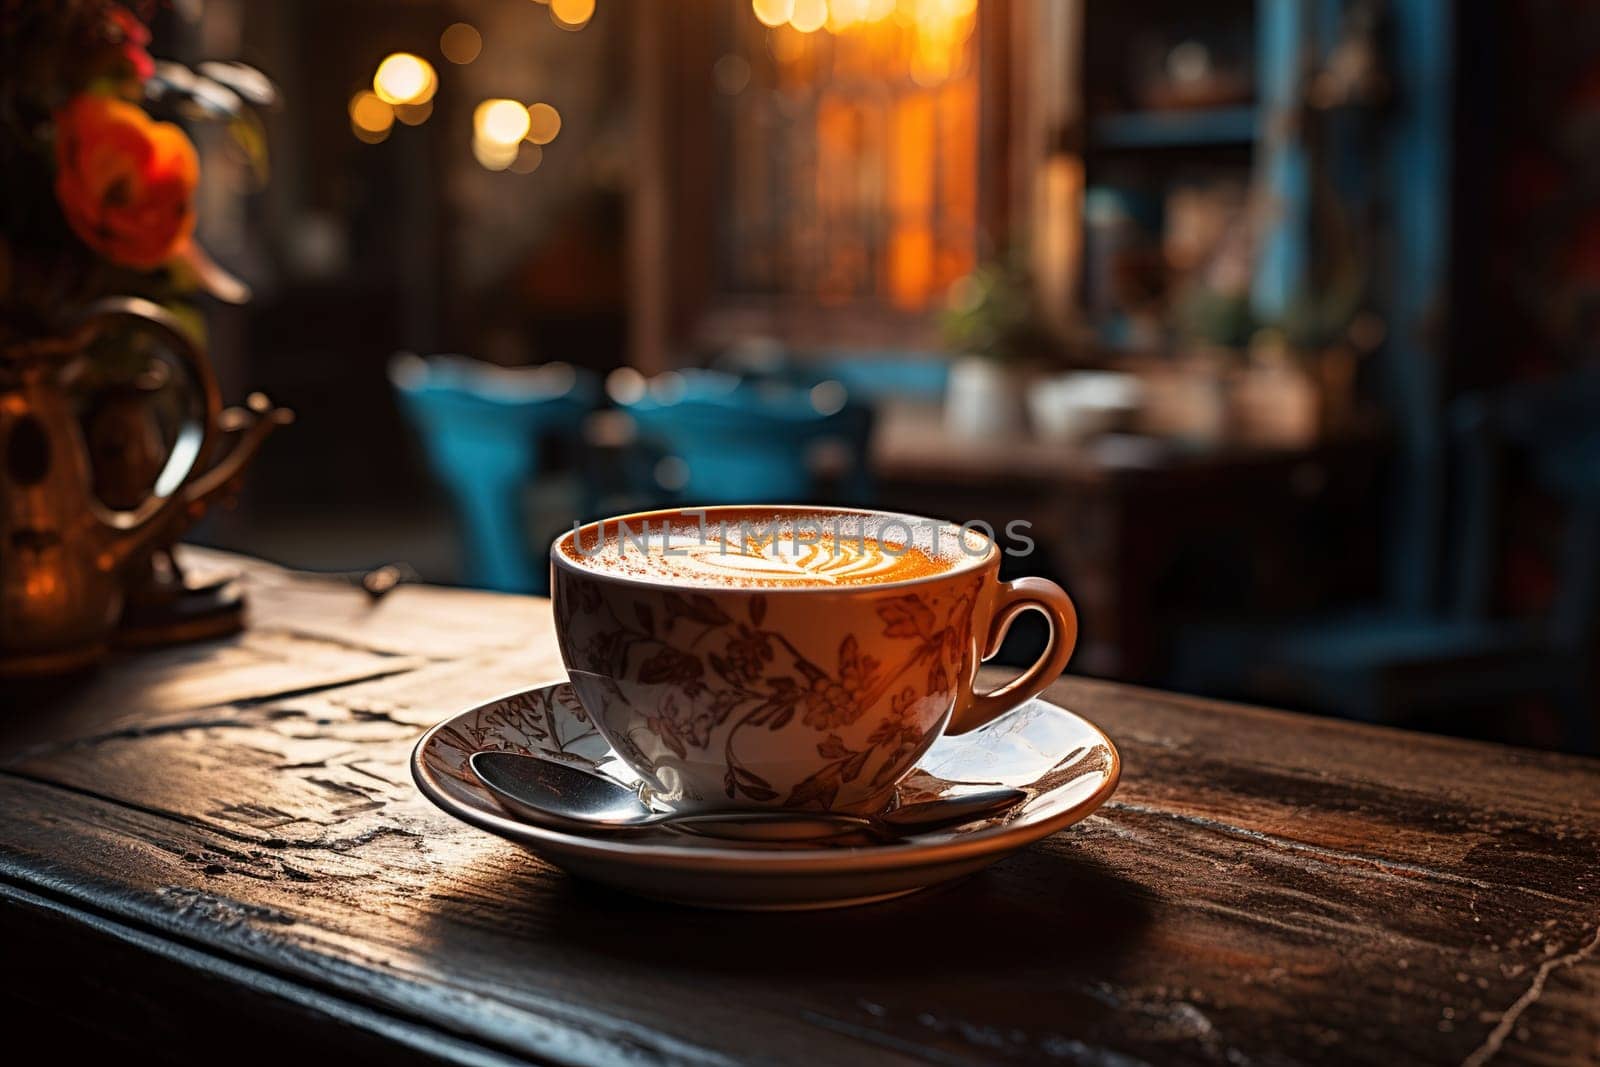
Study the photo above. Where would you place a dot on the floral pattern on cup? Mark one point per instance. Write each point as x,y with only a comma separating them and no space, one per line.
694,690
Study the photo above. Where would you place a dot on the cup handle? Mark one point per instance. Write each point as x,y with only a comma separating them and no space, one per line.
1012,599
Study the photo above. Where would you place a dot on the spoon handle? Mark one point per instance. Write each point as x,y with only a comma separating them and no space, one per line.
773,825
894,825
946,810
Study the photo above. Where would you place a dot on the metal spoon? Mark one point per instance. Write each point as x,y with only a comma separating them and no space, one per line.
561,797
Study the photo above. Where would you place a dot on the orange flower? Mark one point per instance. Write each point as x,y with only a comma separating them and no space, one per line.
125,181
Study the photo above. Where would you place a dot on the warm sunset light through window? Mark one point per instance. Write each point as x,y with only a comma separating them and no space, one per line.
853,162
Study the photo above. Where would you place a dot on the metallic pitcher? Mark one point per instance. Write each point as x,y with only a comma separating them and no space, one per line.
62,551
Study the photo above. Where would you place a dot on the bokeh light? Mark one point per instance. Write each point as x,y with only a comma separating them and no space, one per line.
527,159
626,386
772,12
732,74
828,397
501,122
493,155
809,16
571,14
668,387
787,44
544,122
403,78
460,43
842,14
672,473
934,18
370,117
414,114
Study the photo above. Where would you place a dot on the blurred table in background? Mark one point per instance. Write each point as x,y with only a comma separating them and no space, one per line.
1146,533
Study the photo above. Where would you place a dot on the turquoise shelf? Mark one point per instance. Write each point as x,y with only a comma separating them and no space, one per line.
1174,129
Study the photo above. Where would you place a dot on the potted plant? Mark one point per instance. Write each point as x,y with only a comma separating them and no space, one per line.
991,321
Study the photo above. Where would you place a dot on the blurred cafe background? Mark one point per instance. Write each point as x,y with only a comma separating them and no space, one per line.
1276,319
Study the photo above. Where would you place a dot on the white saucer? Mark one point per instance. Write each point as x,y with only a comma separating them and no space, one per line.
1064,763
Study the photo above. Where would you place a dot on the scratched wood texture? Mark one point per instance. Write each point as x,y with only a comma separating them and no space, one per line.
219,848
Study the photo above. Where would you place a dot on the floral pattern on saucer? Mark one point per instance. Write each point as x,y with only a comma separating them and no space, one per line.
1065,765
548,721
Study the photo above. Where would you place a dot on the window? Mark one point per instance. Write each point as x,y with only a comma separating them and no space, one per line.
848,154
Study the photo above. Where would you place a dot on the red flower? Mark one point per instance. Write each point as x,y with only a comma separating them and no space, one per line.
134,37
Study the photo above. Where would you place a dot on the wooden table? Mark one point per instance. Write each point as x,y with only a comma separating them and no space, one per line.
217,852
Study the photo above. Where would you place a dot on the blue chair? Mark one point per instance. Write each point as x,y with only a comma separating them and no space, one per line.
722,439
480,427
870,375
1390,667
875,375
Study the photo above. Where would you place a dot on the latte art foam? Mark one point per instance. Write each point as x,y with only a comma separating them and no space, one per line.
759,549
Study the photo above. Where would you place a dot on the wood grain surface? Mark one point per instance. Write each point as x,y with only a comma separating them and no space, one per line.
220,848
